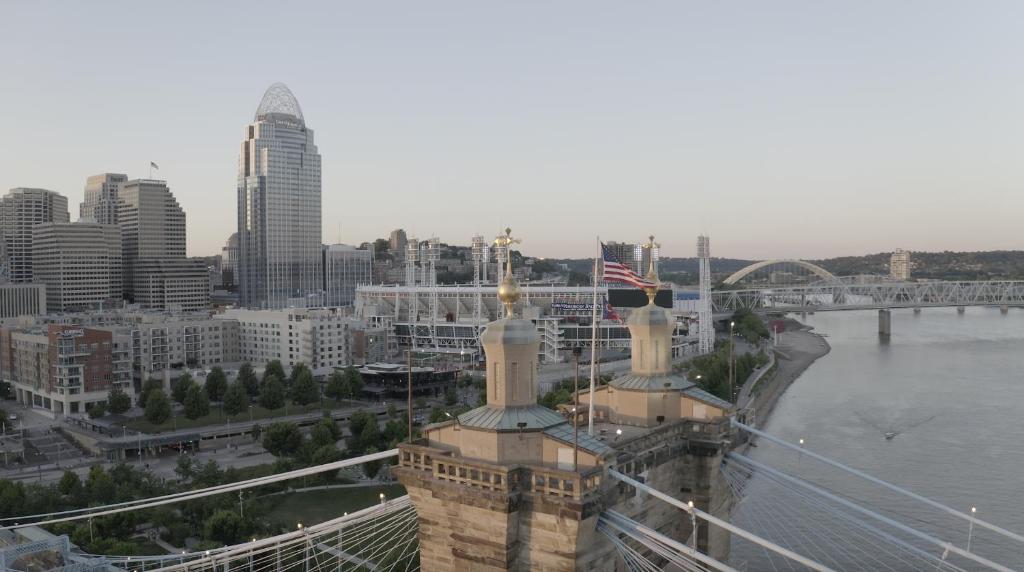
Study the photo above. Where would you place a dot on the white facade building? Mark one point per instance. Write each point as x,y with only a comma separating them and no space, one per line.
320,338
279,216
899,265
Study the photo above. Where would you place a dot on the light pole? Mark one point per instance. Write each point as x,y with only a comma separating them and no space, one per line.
575,413
970,528
250,414
408,363
732,354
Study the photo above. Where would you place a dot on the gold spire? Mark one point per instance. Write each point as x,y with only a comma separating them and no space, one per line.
508,290
652,270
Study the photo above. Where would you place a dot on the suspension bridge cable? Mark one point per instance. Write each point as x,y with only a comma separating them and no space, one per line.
192,495
722,523
934,504
634,530
947,546
850,519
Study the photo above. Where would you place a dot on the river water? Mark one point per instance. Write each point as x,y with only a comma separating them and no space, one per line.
951,386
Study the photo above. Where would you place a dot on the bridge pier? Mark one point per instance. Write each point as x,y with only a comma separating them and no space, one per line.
1004,309
917,311
960,310
884,324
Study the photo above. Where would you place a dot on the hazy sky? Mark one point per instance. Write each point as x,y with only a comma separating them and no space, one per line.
782,129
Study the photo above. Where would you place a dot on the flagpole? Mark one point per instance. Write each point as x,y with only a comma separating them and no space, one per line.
593,348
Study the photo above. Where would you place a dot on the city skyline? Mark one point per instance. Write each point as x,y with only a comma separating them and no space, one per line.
867,125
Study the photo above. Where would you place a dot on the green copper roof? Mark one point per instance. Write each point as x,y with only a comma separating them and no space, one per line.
636,382
705,397
564,433
509,418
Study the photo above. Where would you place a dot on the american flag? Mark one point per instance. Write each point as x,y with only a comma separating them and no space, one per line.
615,271
610,313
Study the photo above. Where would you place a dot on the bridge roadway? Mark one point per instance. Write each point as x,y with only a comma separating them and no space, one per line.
832,296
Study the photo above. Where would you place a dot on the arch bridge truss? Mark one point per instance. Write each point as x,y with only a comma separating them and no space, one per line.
837,295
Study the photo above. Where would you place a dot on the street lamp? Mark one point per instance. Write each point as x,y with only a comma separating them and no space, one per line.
250,413
693,526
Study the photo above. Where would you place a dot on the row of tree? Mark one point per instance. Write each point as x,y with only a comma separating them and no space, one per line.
270,393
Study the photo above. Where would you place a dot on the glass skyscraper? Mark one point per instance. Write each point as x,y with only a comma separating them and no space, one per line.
279,236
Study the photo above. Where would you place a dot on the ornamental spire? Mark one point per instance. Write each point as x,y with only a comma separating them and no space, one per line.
508,290
652,269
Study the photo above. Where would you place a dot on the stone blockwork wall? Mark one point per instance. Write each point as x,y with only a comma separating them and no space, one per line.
686,473
463,528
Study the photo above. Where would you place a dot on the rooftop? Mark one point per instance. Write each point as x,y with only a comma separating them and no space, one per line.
279,101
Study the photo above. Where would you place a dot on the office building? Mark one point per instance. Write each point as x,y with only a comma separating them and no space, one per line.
101,196
156,273
345,267
22,300
80,264
181,285
20,210
279,216
229,262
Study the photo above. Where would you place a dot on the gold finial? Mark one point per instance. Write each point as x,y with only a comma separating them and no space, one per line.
508,290
652,270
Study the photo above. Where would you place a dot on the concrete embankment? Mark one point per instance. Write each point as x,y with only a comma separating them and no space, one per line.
798,348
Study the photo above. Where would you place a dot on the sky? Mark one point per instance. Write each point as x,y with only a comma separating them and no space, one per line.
783,129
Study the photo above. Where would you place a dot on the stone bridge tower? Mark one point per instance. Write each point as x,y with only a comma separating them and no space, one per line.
512,485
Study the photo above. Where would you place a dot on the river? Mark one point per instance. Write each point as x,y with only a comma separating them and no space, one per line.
951,386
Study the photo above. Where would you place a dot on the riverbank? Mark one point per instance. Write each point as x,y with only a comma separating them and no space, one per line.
798,348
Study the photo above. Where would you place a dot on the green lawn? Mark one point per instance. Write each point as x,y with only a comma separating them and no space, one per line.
146,548
314,507
217,418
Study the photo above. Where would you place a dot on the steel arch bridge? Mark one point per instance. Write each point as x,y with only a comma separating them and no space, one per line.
839,296
743,273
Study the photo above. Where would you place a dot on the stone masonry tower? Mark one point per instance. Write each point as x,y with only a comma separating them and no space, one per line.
509,485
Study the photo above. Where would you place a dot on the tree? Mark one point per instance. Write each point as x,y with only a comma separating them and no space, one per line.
371,468
225,526
272,393
297,370
248,378
70,485
370,436
100,485
304,389
282,438
324,455
186,468
158,407
451,397
181,386
150,384
325,432
274,367
337,386
216,384
235,399
256,431
392,410
197,403
354,381
118,401
97,410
